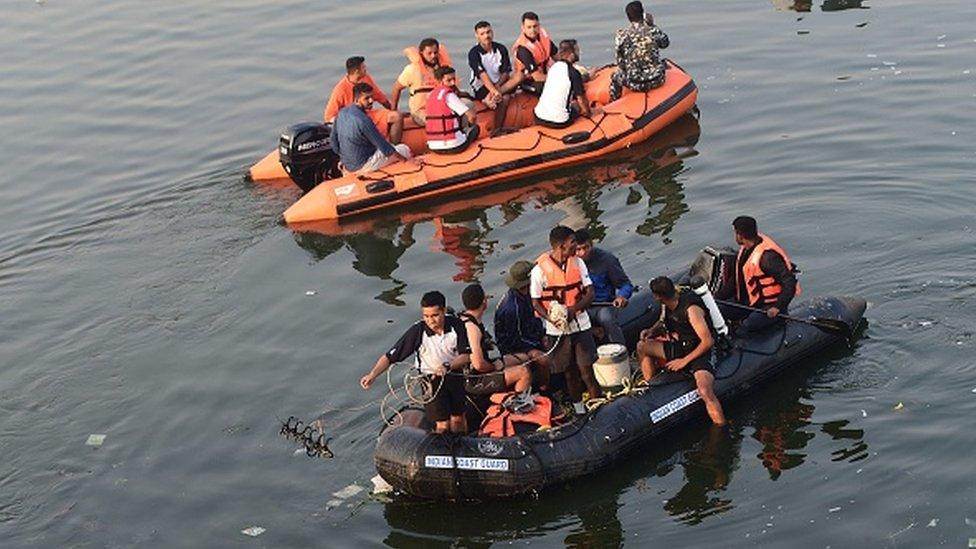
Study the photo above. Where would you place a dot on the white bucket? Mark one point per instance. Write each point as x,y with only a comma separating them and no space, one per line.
612,365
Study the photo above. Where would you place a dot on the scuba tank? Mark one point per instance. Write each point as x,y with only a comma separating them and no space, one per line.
700,288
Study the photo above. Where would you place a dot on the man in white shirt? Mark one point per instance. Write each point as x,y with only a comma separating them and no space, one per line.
558,283
563,98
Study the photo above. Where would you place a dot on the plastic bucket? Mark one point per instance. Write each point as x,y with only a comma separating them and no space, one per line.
612,365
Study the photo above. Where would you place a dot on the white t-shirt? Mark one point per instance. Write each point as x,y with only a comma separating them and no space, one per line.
560,88
455,104
537,283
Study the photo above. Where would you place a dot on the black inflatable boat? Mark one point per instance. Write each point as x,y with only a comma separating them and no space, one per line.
423,464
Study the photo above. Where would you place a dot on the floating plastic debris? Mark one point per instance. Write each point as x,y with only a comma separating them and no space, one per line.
333,503
95,440
833,509
348,491
972,543
873,55
864,413
899,406
940,45
380,486
253,531
845,77
897,73
889,63
941,37
932,523
311,292
861,25
974,389
926,323
803,31
858,472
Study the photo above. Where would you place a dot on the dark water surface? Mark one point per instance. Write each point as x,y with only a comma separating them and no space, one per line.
148,294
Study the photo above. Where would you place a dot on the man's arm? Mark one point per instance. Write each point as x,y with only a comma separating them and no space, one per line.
619,279
579,90
331,107
528,63
477,356
773,264
697,317
395,95
407,345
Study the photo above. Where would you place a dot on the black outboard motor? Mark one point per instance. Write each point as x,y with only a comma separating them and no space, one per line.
717,268
306,154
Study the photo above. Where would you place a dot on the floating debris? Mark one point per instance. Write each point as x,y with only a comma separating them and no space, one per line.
845,77
311,292
348,491
932,523
889,63
803,31
897,73
95,440
926,323
864,413
253,531
873,55
380,486
899,406
941,37
861,25
940,45
332,504
833,509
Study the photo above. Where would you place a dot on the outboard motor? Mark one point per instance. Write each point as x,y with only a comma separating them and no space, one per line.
306,154
716,267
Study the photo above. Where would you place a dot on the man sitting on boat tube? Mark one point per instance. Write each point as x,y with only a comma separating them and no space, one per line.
356,140
439,344
563,98
445,125
387,121
689,341
488,375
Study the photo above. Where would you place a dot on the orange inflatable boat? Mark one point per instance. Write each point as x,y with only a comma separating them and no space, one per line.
533,149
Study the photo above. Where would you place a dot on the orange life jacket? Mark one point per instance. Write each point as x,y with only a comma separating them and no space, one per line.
762,288
559,285
539,48
500,422
442,123
413,55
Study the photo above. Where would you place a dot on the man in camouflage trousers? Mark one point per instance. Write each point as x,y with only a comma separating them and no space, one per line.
639,64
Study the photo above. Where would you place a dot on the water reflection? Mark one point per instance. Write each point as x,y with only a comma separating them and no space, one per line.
827,5
462,227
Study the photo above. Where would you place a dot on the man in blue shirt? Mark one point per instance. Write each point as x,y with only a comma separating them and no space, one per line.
518,332
610,283
360,146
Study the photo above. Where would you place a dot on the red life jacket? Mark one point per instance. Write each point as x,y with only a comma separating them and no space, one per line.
540,48
762,288
559,285
442,123
500,422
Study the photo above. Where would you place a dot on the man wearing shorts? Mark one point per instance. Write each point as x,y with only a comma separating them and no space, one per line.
559,277
488,375
688,343
439,345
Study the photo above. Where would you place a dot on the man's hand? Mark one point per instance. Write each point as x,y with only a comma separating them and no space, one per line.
366,381
620,302
676,364
440,370
772,312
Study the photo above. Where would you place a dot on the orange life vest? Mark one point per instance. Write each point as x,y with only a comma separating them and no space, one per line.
500,422
413,55
442,123
762,288
539,48
559,285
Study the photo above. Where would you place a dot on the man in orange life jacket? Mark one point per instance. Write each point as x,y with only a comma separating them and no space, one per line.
444,126
533,53
765,278
561,277
418,79
689,342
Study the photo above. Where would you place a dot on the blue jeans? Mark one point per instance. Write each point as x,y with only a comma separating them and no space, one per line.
606,318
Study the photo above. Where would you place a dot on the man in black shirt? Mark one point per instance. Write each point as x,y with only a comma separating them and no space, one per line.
765,278
439,345
688,345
